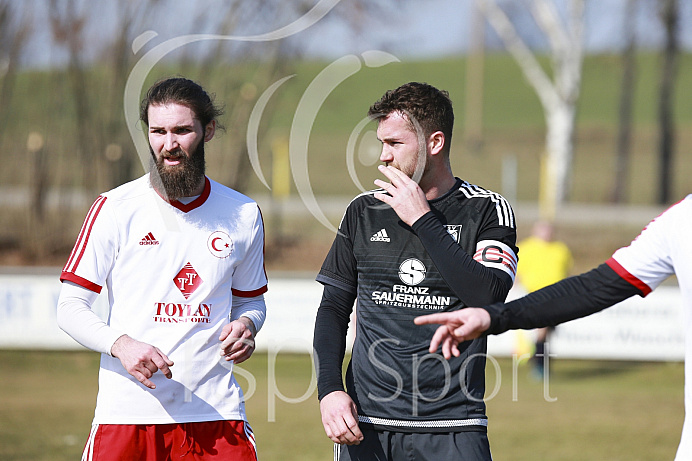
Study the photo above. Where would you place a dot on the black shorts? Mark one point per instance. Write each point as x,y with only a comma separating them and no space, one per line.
397,446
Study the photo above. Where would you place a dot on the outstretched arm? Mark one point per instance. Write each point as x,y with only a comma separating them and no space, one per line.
456,327
569,299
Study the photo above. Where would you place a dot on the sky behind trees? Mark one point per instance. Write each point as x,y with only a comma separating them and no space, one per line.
409,29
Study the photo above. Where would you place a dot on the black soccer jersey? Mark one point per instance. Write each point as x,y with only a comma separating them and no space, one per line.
461,252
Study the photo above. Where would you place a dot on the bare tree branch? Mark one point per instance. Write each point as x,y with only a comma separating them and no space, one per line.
67,25
14,32
549,21
524,57
559,95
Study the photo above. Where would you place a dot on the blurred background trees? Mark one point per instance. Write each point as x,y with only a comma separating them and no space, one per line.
83,145
605,130
668,12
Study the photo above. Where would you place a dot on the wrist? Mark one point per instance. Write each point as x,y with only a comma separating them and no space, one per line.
249,324
422,218
117,345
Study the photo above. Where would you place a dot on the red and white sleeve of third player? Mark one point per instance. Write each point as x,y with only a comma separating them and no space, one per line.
648,260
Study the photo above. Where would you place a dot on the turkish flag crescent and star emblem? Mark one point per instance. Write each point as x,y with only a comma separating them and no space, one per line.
187,280
220,244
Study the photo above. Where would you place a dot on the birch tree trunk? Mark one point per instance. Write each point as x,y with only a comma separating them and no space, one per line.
558,95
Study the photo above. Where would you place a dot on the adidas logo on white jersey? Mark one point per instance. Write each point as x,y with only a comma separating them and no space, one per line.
380,236
149,240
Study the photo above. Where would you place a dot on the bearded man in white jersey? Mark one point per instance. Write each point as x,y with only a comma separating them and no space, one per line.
182,259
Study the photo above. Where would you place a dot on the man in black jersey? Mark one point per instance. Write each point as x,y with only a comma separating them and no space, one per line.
425,242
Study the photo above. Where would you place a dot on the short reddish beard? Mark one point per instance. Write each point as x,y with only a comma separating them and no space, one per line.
178,181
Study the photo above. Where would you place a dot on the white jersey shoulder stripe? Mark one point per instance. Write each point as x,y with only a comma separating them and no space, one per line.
84,233
505,215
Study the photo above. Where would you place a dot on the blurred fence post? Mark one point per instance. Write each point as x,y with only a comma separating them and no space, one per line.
510,177
281,186
34,241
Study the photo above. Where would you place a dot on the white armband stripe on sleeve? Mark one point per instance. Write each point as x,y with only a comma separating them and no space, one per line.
497,255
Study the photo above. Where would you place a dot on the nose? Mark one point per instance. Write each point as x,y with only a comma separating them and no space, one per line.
386,154
170,142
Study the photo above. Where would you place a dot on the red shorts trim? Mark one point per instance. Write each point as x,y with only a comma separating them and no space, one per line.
200,441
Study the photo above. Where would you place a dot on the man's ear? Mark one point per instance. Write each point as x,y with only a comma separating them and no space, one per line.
436,142
209,130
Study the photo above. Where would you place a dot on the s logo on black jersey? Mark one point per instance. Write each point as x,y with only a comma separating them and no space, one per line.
412,271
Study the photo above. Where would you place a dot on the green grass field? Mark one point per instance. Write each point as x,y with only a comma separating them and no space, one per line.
603,409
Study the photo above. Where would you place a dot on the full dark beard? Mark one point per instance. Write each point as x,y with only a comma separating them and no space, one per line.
182,180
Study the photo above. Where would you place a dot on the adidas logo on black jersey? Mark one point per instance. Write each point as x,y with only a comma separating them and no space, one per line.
380,236
149,240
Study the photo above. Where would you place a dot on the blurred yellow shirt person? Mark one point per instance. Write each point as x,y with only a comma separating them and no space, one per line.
543,261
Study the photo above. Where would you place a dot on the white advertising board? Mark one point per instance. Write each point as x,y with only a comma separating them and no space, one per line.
638,328
648,328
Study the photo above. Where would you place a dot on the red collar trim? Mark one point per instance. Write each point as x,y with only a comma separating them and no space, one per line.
193,204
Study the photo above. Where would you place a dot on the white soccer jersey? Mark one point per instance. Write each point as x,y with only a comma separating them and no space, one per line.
662,249
171,270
